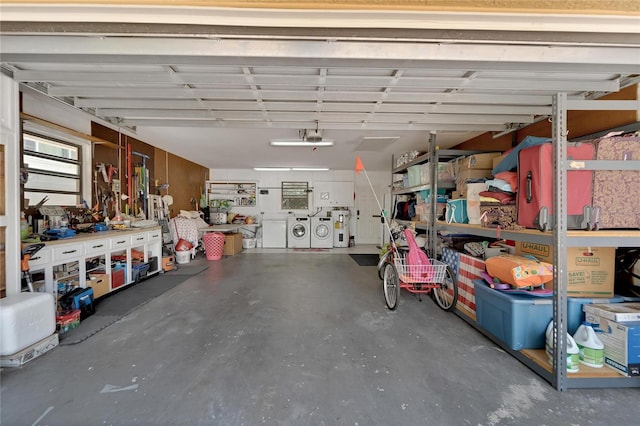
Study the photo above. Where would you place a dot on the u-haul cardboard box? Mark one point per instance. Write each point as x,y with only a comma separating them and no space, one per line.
621,342
590,270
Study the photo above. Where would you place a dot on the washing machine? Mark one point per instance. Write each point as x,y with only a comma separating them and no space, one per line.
299,232
321,232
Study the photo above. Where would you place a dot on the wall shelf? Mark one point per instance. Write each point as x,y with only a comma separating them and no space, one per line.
225,195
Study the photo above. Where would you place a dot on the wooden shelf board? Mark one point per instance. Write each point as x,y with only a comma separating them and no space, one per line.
94,139
539,356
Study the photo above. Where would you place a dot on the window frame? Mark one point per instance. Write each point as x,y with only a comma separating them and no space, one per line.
79,163
285,199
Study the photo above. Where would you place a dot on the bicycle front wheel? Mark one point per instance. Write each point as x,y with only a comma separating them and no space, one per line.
384,259
391,286
446,294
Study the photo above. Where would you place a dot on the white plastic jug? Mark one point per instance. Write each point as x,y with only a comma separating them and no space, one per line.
590,346
573,354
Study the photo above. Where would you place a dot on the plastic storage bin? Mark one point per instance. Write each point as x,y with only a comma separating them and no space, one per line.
139,271
213,245
25,318
118,276
518,321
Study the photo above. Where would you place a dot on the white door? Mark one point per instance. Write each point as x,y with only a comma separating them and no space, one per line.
367,212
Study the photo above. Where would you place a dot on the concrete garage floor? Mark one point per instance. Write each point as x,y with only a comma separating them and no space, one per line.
293,339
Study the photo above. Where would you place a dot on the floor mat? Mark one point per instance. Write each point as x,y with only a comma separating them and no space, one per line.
366,259
112,308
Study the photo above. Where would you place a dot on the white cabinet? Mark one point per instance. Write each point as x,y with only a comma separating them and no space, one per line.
225,195
333,194
90,259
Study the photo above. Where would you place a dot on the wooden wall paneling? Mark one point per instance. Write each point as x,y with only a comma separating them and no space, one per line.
579,123
105,155
186,182
149,163
160,158
486,141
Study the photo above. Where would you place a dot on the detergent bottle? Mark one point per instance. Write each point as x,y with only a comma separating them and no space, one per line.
573,354
590,346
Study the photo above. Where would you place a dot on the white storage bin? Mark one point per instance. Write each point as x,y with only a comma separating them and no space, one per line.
25,319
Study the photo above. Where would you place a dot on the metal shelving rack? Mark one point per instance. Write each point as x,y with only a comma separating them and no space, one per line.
560,238
433,156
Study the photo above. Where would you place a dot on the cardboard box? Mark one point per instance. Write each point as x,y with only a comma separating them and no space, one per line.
477,161
100,283
496,160
456,195
591,271
462,177
621,342
232,244
619,312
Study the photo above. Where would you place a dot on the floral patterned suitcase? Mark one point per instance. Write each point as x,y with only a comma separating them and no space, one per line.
499,215
616,193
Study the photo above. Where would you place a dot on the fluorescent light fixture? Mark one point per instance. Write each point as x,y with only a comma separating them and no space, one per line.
296,142
272,169
288,169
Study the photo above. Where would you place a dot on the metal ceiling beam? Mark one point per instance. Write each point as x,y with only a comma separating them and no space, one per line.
243,124
342,117
387,107
299,95
425,82
164,50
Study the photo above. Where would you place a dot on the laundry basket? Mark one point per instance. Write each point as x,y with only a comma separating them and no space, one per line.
213,245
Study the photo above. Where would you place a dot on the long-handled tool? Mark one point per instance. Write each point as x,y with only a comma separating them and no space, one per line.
27,253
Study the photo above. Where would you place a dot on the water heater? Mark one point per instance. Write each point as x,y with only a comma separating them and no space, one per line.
340,227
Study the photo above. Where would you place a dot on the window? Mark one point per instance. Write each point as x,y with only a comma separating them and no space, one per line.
55,169
295,195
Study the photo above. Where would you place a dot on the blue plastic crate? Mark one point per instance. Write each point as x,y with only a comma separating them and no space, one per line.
518,321
139,271
521,321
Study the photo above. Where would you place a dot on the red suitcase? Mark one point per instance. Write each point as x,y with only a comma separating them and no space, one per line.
615,192
535,187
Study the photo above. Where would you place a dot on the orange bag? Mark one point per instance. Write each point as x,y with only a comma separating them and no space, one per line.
519,271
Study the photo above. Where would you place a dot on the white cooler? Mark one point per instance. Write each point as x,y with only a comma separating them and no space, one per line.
25,318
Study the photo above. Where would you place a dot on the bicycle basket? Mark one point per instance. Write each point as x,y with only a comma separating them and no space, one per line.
428,274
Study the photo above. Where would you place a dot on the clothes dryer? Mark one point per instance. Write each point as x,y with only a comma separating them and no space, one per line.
299,232
321,232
